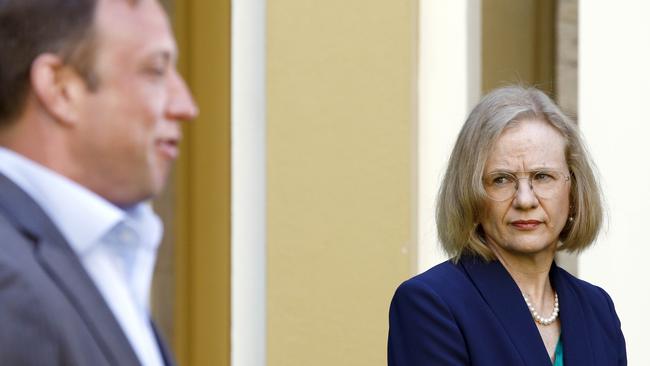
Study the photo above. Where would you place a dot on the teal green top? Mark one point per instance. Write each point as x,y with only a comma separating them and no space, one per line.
558,354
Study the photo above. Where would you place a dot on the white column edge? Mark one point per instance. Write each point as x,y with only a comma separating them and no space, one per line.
449,84
248,206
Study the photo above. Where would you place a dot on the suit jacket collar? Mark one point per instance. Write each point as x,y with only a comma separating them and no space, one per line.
66,271
576,339
168,358
502,295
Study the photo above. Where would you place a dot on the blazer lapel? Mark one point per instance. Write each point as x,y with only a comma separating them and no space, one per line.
575,336
502,295
66,271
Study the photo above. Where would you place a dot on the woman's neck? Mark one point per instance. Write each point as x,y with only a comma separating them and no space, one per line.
530,272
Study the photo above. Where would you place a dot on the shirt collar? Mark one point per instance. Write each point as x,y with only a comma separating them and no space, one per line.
81,215
146,223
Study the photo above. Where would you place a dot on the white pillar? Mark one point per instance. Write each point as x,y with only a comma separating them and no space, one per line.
248,252
449,85
614,77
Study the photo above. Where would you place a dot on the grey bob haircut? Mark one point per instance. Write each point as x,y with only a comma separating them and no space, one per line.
461,197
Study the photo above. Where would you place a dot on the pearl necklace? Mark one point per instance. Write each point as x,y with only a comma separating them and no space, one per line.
540,320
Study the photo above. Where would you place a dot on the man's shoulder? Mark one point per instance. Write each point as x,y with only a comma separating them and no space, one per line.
14,244
22,287
19,267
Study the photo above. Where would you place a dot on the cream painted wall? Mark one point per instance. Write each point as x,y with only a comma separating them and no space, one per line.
449,85
614,54
340,128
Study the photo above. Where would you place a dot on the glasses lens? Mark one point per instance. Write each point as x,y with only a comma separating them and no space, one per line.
500,186
546,183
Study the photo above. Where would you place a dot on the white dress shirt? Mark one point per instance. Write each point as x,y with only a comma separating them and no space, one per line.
116,247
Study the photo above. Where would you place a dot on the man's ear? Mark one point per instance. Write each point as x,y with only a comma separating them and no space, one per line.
58,87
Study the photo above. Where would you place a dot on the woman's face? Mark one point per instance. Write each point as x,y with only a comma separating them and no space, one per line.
526,224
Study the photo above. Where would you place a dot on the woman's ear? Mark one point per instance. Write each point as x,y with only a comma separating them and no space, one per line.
58,87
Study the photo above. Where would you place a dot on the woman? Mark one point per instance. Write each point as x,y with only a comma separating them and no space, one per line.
518,188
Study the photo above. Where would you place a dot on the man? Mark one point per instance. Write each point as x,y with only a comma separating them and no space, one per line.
90,105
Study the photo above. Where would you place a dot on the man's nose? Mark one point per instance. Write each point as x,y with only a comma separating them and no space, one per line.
181,105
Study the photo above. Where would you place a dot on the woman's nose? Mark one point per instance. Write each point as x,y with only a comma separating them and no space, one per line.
525,196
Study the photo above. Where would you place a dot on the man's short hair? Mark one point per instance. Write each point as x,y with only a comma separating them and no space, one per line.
29,28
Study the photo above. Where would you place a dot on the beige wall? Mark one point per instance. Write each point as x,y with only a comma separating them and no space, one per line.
518,43
194,266
341,171
566,75
340,167
162,288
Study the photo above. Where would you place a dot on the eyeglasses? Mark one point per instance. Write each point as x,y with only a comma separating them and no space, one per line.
502,186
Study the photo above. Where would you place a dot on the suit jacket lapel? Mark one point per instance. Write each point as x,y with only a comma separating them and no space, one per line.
575,336
65,269
162,345
502,295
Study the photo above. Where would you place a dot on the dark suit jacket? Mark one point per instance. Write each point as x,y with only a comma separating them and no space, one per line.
51,313
472,313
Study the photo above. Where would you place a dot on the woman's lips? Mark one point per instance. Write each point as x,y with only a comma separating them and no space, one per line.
526,224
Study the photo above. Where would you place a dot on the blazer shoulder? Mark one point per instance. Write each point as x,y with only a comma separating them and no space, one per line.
585,290
446,282
422,326
591,296
438,278
599,311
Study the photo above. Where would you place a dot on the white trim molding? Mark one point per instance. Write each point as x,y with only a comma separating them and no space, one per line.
248,252
449,85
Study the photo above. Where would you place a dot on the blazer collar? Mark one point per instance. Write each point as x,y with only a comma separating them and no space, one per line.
63,266
502,295
504,298
576,339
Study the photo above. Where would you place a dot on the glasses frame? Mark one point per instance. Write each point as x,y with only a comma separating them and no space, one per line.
515,175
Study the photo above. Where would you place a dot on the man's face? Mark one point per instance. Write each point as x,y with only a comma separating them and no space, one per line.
129,128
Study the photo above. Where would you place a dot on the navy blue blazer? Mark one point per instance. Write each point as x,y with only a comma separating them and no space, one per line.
472,313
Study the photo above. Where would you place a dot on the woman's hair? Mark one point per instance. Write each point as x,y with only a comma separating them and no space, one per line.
462,196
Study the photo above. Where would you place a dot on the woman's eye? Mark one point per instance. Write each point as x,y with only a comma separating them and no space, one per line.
501,180
543,177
